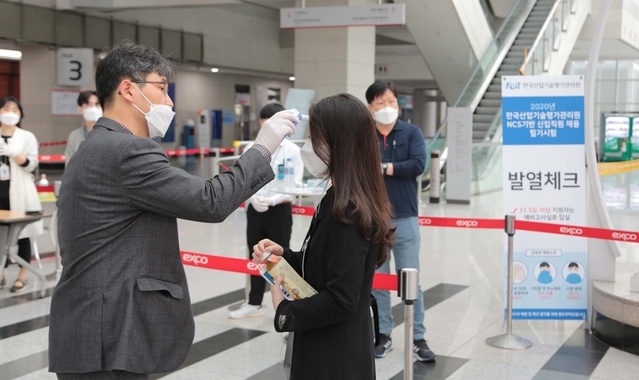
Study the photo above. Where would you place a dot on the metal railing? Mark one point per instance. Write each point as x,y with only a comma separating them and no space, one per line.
486,68
537,57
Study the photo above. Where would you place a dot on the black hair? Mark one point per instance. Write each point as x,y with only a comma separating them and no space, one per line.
573,265
270,109
84,96
128,60
8,99
343,134
378,89
544,265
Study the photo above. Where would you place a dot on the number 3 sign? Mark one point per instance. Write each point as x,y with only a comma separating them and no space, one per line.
75,67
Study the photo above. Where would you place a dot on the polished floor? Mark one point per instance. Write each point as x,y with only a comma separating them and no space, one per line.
461,276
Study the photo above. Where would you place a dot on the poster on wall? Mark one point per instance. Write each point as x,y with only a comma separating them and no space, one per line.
544,181
65,103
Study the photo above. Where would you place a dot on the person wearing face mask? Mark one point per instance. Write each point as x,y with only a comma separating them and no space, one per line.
18,159
403,150
91,110
268,214
349,236
122,308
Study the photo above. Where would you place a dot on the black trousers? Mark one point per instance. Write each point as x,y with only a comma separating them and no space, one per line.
276,224
24,245
24,251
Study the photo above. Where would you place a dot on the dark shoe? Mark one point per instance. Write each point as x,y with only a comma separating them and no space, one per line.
18,285
385,345
422,352
3,282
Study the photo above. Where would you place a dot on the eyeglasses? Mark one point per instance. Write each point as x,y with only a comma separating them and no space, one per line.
165,85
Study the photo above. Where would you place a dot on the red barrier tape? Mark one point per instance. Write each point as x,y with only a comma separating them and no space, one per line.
428,221
232,264
51,158
53,143
170,153
597,233
303,210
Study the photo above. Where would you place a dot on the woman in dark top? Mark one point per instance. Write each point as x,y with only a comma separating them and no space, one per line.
349,236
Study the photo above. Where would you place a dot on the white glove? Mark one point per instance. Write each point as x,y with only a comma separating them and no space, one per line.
274,130
6,150
259,203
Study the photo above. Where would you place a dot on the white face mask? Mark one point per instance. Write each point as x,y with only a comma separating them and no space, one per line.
9,118
92,113
386,116
158,119
312,162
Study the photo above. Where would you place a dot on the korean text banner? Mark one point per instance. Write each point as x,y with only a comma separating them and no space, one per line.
544,180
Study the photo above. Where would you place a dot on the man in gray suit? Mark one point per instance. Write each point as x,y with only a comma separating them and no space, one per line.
122,308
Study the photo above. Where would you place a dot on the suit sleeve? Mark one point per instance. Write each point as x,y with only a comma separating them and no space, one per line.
152,184
345,259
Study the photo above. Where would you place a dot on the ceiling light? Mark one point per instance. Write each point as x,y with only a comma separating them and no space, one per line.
214,70
291,79
10,54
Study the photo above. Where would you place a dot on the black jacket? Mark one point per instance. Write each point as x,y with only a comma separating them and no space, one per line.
333,330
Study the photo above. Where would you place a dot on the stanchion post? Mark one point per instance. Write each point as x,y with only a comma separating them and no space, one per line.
407,289
435,180
215,162
508,340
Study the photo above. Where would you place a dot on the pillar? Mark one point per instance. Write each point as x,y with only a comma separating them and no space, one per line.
335,60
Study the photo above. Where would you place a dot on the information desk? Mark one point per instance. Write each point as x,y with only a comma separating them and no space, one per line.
11,223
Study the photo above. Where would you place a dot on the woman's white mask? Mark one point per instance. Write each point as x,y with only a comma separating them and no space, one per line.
9,118
312,162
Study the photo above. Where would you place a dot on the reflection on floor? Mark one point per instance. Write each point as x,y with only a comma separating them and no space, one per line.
462,278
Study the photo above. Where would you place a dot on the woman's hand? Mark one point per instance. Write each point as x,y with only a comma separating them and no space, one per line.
266,245
276,292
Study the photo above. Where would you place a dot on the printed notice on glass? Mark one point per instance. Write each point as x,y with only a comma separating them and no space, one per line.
544,181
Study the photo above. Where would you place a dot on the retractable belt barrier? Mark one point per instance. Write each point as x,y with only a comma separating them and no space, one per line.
46,158
526,225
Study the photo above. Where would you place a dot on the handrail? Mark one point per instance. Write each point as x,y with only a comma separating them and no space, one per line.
496,60
542,33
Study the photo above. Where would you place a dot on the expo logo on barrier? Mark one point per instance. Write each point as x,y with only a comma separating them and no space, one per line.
253,266
624,236
571,231
195,259
425,221
467,223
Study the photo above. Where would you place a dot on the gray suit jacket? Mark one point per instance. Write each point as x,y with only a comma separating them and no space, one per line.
122,302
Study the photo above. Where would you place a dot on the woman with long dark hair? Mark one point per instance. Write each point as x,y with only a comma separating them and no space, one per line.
349,236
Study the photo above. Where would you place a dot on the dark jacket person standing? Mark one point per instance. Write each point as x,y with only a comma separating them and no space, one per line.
122,305
348,238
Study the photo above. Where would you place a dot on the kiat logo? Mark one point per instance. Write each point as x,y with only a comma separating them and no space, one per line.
467,223
624,236
425,221
571,231
195,259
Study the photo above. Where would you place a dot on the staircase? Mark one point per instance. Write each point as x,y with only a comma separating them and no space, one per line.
489,106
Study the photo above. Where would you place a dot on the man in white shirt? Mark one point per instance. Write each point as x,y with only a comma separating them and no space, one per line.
269,214
89,106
